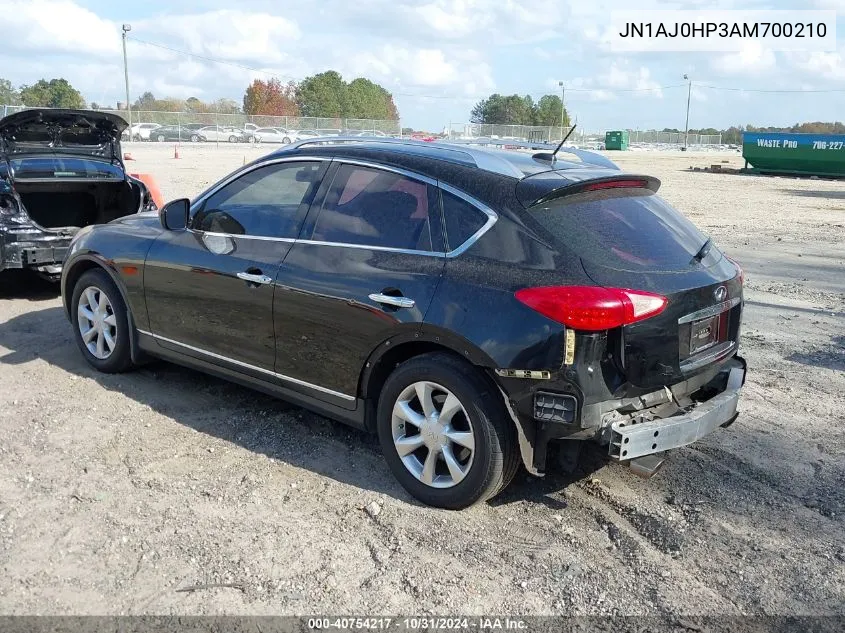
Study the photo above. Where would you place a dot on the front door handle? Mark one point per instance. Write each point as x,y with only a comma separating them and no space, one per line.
255,278
398,302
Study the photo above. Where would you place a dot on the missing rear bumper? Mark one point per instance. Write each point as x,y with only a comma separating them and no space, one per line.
631,441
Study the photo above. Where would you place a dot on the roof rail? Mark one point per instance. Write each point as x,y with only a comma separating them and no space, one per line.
586,156
473,156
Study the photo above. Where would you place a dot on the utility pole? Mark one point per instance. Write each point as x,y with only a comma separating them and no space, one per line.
562,89
686,127
126,29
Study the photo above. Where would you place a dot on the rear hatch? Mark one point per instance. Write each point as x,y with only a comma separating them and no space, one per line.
76,132
627,237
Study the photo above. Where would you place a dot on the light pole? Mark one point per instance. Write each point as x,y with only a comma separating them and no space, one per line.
562,92
126,28
686,127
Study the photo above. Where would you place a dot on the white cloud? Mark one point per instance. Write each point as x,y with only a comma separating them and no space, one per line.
819,65
56,26
622,77
754,59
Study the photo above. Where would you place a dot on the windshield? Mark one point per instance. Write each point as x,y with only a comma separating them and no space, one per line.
64,167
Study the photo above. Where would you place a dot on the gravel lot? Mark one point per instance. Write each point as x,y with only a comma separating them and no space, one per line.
116,491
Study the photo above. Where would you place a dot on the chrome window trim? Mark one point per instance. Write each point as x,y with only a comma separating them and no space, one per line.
395,170
294,381
388,249
262,238
249,169
708,312
492,217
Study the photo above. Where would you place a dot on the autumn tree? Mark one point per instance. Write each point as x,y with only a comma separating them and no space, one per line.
271,97
56,93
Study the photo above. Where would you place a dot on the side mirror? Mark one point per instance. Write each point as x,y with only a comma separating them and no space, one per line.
174,215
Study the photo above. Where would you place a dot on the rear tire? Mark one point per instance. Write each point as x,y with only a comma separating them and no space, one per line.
194,138
107,347
461,476
286,140
233,139
160,138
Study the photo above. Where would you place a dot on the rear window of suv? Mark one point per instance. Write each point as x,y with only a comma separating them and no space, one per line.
624,229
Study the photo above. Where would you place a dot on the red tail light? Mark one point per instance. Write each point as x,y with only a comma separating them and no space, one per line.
592,308
615,184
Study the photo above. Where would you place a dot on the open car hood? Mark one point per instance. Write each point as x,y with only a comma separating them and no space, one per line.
48,131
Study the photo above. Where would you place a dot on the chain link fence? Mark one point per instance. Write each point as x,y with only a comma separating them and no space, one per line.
321,125
672,138
336,126
532,133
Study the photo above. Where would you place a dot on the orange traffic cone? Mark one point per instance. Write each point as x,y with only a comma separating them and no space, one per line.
175,151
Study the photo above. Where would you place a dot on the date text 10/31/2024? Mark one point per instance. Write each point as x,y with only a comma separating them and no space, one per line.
418,624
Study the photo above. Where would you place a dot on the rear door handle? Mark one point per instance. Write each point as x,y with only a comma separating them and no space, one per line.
398,302
255,279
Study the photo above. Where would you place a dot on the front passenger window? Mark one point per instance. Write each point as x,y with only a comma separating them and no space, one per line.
264,202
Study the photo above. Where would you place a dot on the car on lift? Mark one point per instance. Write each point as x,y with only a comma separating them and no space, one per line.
467,305
60,171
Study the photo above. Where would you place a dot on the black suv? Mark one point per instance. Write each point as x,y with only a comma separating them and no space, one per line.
467,305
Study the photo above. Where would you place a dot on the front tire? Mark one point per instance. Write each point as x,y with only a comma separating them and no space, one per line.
194,138
101,324
445,433
160,138
233,139
286,140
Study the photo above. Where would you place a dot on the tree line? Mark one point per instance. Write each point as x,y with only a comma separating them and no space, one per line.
325,94
322,95
516,110
733,134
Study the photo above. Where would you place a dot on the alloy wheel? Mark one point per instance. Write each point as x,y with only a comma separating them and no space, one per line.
97,322
432,434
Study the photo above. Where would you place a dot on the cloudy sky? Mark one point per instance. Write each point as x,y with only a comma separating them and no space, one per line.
437,57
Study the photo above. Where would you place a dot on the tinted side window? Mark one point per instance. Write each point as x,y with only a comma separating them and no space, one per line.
462,219
264,202
373,207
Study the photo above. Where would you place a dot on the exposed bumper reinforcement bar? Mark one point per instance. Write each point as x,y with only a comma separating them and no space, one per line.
630,441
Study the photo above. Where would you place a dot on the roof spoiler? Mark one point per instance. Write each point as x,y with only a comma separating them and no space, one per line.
534,190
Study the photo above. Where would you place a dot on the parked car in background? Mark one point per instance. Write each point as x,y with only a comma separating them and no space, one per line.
141,131
328,132
221,133
467,305
271,135
60,171
174,133
366,133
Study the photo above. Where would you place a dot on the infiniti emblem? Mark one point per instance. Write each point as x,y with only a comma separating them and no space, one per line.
721,293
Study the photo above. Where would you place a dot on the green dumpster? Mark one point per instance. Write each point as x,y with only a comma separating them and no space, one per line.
786,153
617,139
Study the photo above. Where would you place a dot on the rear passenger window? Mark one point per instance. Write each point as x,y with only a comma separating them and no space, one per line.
263,202
373,207
462,219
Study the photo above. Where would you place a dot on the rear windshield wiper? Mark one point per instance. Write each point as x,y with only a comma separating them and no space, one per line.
702,252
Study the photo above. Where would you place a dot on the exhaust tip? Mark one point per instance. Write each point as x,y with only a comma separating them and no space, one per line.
647,465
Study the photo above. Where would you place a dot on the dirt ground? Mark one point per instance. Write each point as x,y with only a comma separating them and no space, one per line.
116,491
